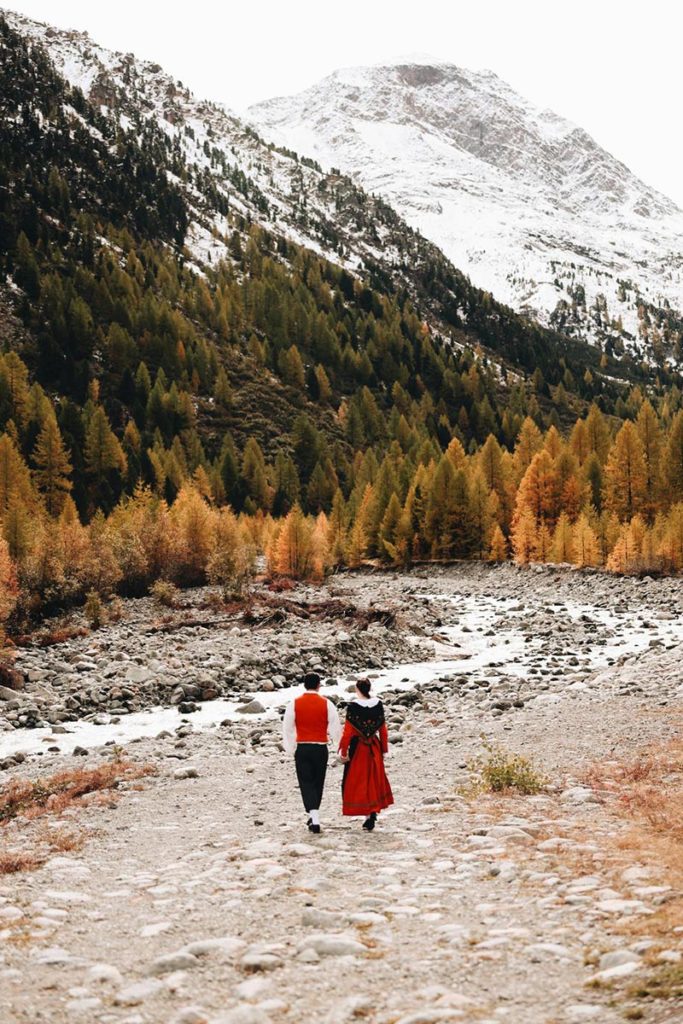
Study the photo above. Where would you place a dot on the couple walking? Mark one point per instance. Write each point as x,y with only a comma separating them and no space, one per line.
310,722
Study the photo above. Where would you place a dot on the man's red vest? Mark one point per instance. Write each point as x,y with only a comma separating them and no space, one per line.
310,716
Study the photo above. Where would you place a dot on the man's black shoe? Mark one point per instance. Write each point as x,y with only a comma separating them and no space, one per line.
315,829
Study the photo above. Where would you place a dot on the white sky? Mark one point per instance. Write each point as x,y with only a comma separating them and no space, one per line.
612,66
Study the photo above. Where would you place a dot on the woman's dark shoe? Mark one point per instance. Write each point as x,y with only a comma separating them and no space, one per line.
369,822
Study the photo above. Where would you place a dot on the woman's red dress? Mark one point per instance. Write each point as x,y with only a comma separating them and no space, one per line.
365,786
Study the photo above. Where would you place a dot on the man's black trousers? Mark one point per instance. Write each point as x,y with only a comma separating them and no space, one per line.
311,766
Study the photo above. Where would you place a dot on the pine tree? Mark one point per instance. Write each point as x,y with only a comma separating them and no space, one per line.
254,475
482,502
336,529
626,474
9,589
525,537
222,392
585,543
103,453
650,434
598,433
53,468
15,480
230,560
537,489
579,441
562,548
673,459
529,442
498,550
358,541
389,527
292,551
292,367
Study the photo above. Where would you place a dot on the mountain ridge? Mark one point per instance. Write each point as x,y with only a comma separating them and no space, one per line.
237,179
526,202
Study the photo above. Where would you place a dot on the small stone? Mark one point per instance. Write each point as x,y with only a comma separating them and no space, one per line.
227,945
260,962
105,973
191,1015
614,973
333,945
579,1012
254,707
187,772
618,957
243,1015
135,994
179,961
312,917
308,956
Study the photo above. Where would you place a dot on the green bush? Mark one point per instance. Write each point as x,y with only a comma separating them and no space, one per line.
503,771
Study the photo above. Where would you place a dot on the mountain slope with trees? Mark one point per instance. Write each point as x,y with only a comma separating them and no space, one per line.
155,396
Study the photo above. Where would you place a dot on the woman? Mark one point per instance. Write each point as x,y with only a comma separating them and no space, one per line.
365,786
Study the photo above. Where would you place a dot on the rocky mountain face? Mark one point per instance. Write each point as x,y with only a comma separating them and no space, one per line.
526,203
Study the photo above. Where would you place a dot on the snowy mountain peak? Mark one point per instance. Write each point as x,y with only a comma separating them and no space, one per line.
527,203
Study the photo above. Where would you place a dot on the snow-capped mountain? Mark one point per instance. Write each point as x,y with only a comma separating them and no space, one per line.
526,203
238,179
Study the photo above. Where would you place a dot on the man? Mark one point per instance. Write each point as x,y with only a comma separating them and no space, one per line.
310,723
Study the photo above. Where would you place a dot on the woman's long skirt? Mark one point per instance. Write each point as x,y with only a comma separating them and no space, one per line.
365,786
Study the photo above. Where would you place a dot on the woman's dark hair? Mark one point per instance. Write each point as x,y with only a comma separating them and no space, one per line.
364,686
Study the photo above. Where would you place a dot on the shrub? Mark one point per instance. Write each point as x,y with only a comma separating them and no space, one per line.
503,772
94,610
165,593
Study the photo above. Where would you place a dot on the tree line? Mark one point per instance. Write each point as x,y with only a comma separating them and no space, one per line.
594,496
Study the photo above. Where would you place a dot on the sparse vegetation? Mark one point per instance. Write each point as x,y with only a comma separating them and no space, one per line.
94,610
13,861
504,772
165,593
21,797
663,982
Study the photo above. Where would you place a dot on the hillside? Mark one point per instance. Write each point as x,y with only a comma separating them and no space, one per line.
117,304
232,179
525,202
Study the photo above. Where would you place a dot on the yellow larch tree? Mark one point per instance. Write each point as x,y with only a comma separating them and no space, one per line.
625,474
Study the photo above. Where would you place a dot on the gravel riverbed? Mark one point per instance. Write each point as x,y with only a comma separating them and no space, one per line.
200,896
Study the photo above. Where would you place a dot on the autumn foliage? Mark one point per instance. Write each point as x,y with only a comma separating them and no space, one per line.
600,496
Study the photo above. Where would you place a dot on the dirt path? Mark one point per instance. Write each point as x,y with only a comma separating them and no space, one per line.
205,898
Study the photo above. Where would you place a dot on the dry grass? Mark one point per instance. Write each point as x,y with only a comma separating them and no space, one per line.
59,633
664,982
646,792
57,792
648,788
61,841
12,861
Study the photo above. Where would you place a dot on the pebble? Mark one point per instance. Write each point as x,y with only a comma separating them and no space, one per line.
134,995
333,945
178,961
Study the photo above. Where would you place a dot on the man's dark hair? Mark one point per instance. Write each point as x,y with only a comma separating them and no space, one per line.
311,680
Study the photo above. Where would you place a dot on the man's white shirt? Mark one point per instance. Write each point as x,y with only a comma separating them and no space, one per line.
334,729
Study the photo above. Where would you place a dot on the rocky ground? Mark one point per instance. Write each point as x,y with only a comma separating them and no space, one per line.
198,894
